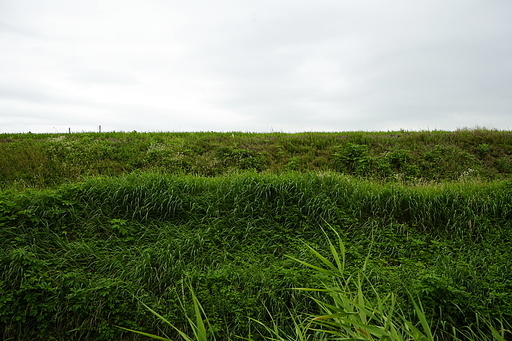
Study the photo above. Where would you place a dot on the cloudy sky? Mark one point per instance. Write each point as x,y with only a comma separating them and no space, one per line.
254,66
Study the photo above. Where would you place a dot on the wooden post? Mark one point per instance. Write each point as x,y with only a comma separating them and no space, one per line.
100,129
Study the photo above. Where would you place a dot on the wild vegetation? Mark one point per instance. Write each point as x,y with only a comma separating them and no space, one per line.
95,227
42,160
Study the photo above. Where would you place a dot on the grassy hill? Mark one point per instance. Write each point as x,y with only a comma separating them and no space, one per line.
40,160
93,225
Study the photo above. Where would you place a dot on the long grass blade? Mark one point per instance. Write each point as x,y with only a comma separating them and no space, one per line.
153,336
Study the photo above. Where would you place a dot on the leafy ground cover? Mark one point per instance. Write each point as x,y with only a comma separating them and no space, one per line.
42,160
80,258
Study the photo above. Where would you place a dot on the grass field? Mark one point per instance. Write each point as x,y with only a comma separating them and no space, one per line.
42,160
95,226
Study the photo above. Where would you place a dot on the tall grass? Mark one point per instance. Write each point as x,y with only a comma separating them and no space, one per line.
74,256
349,310
448,207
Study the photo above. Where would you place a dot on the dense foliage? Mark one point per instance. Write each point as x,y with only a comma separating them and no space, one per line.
76,260
41,160
94,226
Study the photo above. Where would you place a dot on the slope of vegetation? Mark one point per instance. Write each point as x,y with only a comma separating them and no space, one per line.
40,160
87,235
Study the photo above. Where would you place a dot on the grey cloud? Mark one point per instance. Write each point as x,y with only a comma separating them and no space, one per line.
292,66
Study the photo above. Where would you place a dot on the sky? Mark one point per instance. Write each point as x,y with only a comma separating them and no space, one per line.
254,66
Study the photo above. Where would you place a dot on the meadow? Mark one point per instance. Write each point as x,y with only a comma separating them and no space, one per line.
96,227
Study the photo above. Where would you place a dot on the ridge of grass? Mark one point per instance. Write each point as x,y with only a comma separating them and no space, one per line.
46,160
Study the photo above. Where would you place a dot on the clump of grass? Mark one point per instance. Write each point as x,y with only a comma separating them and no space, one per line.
356,311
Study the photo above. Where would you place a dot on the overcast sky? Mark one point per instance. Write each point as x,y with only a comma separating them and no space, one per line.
254,66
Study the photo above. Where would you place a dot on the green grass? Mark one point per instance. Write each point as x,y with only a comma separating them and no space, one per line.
48,160
349,310
79,259
94,224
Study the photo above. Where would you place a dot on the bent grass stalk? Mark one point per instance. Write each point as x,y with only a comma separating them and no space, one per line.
198,326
